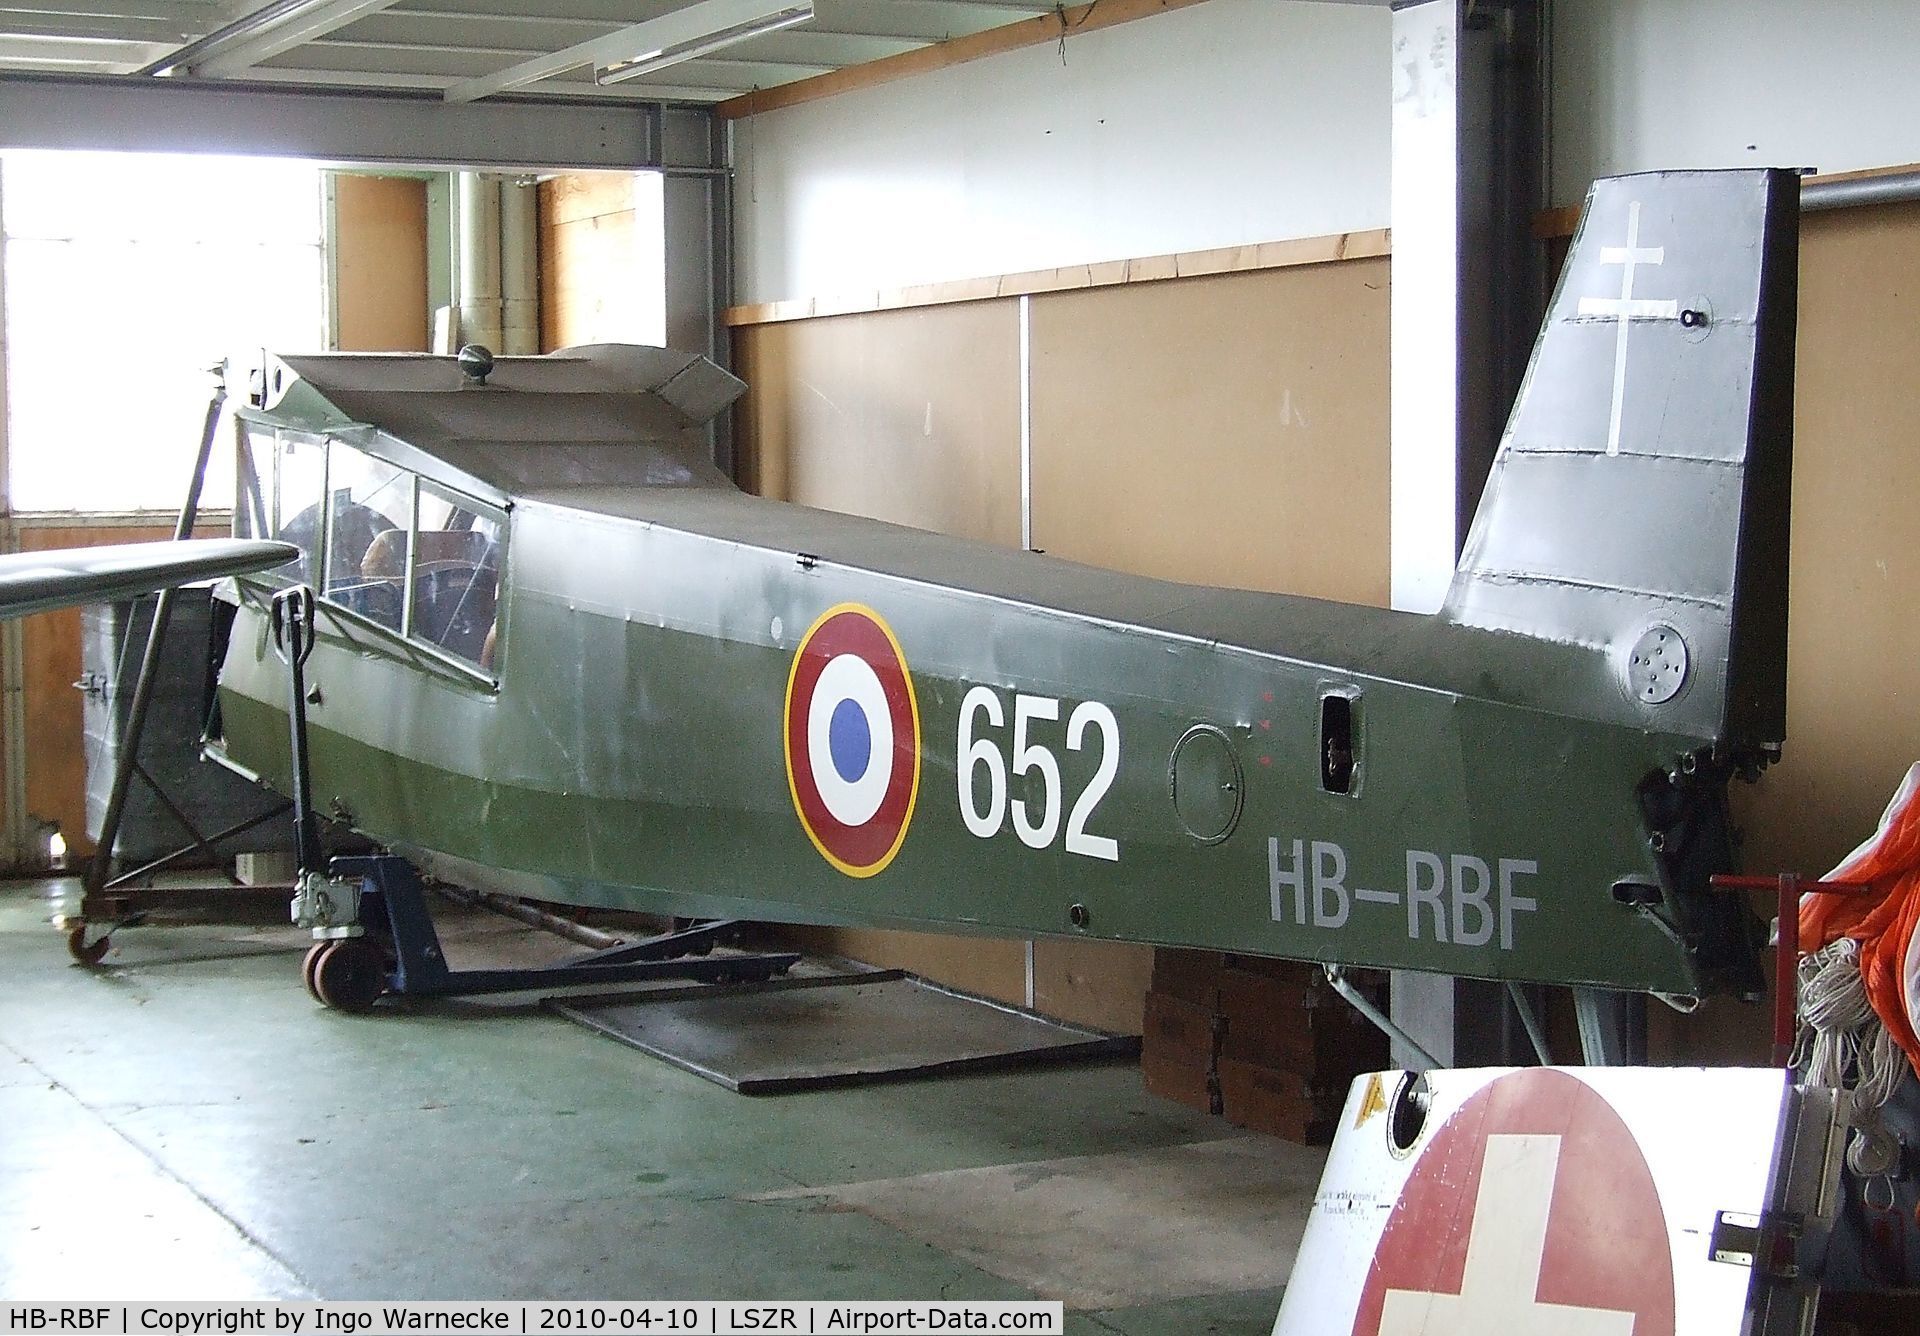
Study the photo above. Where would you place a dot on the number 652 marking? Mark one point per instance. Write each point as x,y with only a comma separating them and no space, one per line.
1036,828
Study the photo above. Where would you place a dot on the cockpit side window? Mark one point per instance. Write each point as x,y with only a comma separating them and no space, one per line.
369,507
300,488
253,473
459,548
413,556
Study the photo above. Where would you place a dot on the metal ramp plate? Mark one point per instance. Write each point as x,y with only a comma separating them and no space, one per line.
807,1033
1604,1201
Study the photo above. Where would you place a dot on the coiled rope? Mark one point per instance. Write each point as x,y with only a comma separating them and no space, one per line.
1840,1036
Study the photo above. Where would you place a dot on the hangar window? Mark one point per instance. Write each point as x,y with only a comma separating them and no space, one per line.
126,276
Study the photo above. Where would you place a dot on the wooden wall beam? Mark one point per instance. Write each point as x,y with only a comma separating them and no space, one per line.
1056,27
1551,223
1108,273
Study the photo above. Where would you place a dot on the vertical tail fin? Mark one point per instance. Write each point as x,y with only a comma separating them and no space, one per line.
1639,501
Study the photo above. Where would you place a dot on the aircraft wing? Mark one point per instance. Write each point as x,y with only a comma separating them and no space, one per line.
70,577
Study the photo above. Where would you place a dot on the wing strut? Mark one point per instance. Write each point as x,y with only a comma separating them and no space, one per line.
100,867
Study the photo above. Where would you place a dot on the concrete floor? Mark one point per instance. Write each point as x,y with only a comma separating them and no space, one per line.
186,1122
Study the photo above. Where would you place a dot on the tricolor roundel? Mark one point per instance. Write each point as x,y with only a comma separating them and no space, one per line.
852,739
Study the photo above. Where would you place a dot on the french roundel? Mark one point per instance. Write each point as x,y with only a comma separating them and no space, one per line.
852,739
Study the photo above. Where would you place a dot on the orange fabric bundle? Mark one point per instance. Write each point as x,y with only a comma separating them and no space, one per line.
1884,919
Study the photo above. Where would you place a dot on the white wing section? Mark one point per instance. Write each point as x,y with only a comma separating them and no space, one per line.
70,577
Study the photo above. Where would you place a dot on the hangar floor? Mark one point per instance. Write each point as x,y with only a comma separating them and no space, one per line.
185,1122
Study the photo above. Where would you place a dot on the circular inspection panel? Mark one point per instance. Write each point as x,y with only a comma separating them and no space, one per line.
1657,665
1208,786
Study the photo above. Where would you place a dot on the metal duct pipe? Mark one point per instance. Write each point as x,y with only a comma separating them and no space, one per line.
557,924
519,268
478,282
1894,188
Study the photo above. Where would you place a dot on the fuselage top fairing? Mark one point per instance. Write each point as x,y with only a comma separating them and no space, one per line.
561,655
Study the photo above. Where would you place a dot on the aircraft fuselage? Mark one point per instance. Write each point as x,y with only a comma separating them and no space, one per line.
1083,752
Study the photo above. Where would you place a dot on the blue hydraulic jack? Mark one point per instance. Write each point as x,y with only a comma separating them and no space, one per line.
398,951
370,913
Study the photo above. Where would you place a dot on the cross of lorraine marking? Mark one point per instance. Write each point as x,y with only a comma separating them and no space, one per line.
1626,309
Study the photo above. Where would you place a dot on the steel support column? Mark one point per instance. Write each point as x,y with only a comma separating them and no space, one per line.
699,250
1469,288
13,700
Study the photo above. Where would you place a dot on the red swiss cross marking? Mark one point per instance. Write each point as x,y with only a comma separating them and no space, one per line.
1532,1210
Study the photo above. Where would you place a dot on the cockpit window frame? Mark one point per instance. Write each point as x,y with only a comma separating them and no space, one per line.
409,638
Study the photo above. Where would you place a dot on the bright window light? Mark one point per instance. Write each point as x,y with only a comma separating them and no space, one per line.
127,275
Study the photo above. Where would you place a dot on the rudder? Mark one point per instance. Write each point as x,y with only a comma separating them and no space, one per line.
1639,502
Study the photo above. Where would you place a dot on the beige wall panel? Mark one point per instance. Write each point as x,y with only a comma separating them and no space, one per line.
987,966
598,272
1853,658
762,422
571,199
1102,984
911,417
587,274
380,263
1228,430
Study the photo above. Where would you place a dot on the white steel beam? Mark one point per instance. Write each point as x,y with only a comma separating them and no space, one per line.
683,29
333,126
104,53
578,90
115,28
298,27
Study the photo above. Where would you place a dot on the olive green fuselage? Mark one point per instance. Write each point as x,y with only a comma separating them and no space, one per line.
632,751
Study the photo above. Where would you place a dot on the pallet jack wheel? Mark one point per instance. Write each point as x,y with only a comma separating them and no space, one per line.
84,952
307,962
349,975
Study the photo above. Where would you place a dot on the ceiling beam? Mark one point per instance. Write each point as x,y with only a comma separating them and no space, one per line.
295,29
416,129
680,28
1056,27
114,28
823,48
188,14
580,91
81,51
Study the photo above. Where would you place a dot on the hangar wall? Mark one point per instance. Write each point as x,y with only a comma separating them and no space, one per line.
1116,144
1640,85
